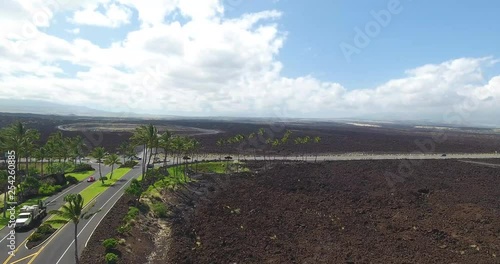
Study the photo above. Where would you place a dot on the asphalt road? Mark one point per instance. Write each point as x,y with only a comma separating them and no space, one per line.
60,249
53,203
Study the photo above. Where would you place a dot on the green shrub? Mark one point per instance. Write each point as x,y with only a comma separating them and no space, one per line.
71,180
83,167
160,210
45,229
35,237
110,244
47,189
123,229
132,213
111,258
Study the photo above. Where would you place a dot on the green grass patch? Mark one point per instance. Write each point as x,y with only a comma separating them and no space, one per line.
80,176
96,188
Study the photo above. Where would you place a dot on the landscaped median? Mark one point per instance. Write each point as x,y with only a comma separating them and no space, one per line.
89,194
80,176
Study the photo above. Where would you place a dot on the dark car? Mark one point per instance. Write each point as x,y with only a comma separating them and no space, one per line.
443,155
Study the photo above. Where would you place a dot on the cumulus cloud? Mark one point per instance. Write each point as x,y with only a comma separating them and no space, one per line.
211,65
114,15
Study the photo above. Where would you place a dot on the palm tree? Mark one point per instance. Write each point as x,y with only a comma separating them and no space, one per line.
40,155
112,160
250,137
220,144
285,138
99,153
20,139
122,149
147,136
317,140
72,211
196,147
178,146
77,145
164,142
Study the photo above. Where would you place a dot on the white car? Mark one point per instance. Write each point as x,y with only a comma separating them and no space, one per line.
23,220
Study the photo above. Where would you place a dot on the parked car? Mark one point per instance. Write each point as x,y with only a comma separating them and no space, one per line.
91,179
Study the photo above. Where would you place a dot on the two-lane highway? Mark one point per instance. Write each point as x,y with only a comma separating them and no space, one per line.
60,248
53,203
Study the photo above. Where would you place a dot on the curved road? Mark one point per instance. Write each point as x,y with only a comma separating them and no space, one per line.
53,203
60,249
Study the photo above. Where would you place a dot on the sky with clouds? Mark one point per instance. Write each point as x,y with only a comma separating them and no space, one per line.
375,59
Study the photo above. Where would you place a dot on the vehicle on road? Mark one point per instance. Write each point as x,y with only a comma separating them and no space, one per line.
443,155
29,215
91,179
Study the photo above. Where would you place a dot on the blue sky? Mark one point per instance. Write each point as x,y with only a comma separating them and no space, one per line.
257,58
424,32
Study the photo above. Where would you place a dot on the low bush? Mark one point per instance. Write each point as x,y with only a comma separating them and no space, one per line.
83,167
123,229
46,189
132,213
72,180
111,258
45,229
160,210
129,164
110,244
35,237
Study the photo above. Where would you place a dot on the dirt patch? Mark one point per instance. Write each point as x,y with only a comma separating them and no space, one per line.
344,212
332,212
135,246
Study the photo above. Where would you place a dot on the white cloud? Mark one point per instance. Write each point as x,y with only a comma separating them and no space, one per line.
114,15
211,65
74,31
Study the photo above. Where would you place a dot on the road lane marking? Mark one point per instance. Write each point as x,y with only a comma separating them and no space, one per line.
106,212
72,242
90,220
19,246
19,260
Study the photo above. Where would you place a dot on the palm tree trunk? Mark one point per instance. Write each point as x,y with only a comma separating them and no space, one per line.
111,175
76,244
41,168
100,174
144,150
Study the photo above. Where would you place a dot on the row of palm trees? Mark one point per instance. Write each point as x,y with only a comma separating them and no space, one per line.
180,148
267,143
101,155
28,148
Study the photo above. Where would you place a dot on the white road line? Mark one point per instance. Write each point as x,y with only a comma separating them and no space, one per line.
48,204
90,220
64,193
